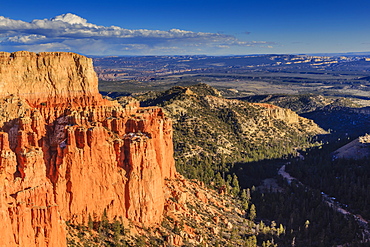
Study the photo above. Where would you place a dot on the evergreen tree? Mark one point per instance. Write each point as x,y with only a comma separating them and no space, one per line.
90,223
104,219
251,241
235,185
252,212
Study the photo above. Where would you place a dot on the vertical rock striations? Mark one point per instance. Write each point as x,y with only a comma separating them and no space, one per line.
43,77
67,154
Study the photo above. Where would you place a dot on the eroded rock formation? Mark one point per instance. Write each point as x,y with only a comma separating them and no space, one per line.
67,154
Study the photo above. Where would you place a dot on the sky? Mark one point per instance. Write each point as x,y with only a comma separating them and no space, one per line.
186,27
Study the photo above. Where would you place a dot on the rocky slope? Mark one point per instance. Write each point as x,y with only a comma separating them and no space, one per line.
68,155
194,216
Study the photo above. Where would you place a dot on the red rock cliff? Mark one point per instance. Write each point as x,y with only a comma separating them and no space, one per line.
67,154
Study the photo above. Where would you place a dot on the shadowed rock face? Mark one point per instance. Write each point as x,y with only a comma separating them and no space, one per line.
67,154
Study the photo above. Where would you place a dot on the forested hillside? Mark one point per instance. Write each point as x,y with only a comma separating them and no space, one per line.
211,132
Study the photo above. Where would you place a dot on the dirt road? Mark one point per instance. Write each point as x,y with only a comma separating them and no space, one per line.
337,206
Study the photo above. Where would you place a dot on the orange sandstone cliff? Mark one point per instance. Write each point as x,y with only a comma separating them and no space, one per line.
67,154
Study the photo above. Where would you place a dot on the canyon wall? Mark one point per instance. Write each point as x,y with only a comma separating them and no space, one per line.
67,154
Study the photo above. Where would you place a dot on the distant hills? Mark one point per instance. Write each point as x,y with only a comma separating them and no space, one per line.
240,76
151,67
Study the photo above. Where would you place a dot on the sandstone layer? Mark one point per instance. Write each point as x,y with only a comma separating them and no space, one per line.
47,76
67,154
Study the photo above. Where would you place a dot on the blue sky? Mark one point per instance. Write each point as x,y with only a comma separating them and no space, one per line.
176,27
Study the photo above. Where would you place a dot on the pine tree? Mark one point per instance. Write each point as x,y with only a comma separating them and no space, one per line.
280,230
90,223
235,184
245,199
104,219
251,241
117,230
252,212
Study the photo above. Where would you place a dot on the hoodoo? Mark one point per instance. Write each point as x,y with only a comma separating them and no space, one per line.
67,154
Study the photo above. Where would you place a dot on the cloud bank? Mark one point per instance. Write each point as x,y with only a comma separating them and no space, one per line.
69,32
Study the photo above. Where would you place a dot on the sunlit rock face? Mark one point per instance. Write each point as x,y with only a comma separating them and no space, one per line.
67,154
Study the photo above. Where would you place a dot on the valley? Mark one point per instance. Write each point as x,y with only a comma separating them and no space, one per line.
229,132
341,76
184,151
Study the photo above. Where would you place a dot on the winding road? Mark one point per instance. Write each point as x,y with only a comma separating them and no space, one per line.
330,201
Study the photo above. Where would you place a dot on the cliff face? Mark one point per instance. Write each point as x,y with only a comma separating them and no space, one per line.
67,154
47,76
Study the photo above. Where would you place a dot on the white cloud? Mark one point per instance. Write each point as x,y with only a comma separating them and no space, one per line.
72,19
25,38
69,32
